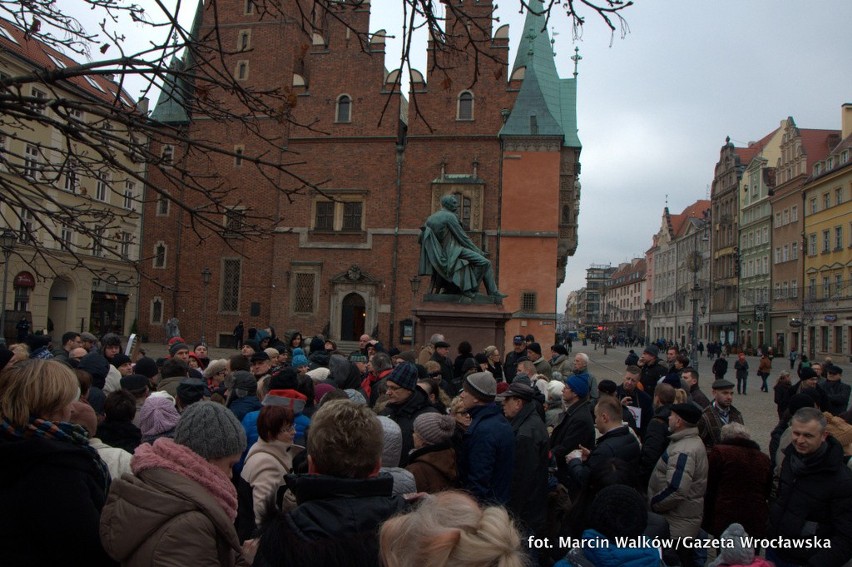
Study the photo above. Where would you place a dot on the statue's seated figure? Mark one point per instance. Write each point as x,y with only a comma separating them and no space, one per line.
455,263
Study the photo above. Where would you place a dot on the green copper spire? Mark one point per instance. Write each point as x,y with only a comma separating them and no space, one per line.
543,94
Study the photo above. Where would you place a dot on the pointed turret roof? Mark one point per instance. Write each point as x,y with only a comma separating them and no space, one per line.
173,101
543,94
171,104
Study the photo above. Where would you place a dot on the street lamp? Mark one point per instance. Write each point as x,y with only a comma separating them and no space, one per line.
415,287
693,351
7,242
648,306
205,279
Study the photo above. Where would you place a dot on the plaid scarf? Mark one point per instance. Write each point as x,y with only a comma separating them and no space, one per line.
62,432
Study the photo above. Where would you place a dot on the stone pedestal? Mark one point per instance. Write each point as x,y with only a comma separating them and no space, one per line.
480,323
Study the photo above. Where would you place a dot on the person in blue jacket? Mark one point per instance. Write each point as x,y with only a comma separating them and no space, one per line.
487,461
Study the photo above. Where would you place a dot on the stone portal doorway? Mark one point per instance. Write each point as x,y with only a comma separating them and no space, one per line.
353,315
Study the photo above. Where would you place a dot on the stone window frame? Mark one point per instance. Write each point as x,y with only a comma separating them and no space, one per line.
313,269
155,259
225,280
340,197
152,312
465,114
338,119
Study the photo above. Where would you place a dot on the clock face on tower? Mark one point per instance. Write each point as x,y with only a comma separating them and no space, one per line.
693,262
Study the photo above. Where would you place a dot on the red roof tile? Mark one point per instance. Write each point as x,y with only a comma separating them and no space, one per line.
695,210
42,55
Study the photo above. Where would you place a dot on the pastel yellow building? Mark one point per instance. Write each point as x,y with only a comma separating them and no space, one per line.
69,196
827,199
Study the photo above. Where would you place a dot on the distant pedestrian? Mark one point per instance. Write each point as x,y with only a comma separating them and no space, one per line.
763,371
23,328
793,356
720,367
782,385
239,335
741,368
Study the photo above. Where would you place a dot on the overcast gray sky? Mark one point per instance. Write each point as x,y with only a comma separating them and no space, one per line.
655,107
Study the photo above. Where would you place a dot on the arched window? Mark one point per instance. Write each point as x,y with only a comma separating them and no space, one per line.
344,109
465,109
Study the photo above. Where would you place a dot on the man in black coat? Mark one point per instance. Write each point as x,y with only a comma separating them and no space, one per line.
634,398
405,403
652,368
720,367
510,366
528,501
657,434
616,441
576,427
836,392
814,502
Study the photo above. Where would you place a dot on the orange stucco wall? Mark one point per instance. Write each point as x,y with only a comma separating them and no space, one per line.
528,261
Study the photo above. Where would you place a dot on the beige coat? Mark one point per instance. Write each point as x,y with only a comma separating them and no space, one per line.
162,518
677,485
266,464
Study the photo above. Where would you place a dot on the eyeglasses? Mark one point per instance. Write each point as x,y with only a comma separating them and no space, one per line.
392,388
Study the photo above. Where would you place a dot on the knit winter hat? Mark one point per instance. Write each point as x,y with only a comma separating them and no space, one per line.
146,367
320,390
652,350
619,510
299,359
176,347
158,415
554,391
535,347
246,381
120,359
482,385
578,385
211,430
434,428
404,375
737,553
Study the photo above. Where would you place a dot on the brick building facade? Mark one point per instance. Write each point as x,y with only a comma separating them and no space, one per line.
342,252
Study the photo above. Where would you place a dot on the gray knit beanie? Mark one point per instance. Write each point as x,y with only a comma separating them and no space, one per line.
735,552
434,428
211,430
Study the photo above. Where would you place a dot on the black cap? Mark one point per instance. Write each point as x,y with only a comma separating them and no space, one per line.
535,347
518,390
120,359
191,390
518,339
442,344
687,412
134,382
259,357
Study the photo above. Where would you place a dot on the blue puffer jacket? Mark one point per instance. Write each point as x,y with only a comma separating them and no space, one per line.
487,462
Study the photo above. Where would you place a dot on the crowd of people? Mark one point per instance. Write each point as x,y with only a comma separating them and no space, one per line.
290,452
